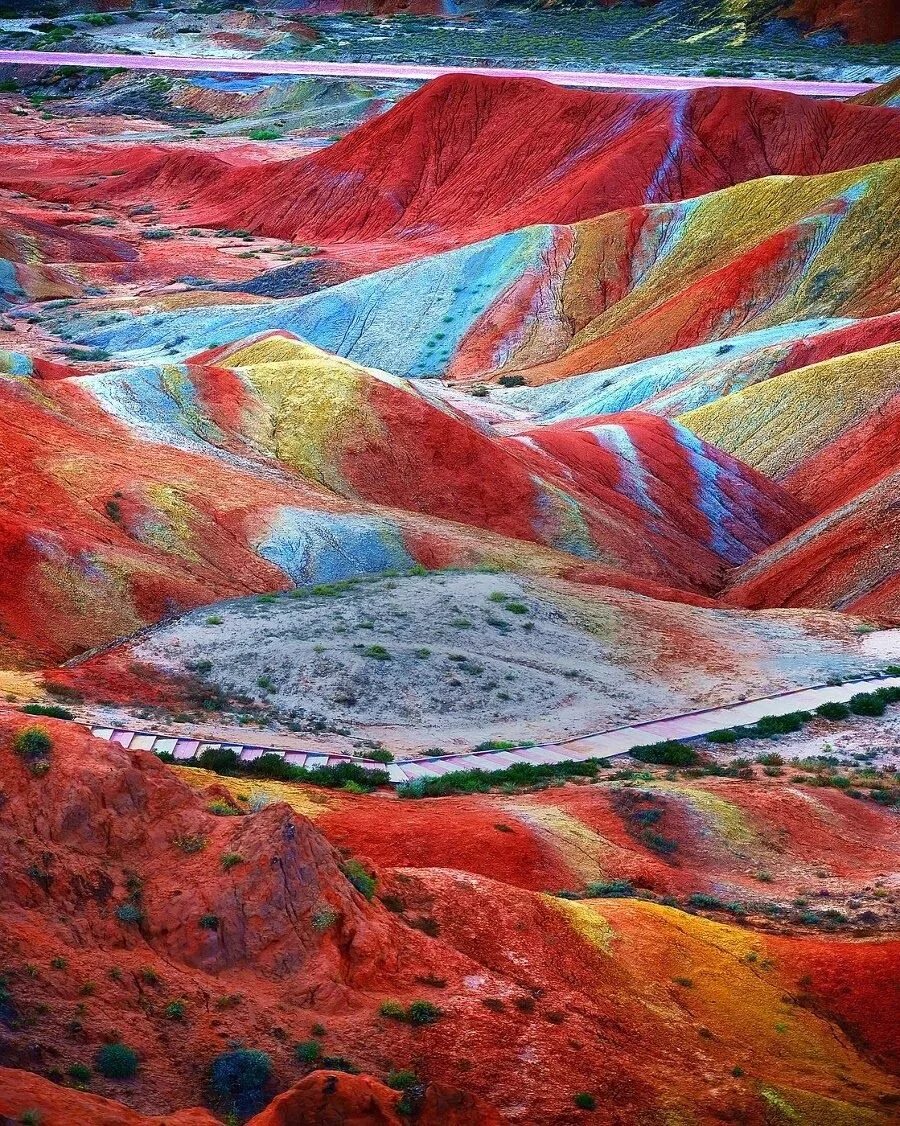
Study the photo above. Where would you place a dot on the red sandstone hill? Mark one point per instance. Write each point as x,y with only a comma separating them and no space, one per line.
104,531
862,21
116,903
468,157
324,1098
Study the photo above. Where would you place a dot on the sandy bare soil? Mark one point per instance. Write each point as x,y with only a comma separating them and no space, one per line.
858,742
450,659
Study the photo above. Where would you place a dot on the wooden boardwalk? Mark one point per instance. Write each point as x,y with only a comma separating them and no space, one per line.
600,744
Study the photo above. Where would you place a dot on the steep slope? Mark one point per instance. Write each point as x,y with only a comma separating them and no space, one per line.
684,380
108,877
847,559
887,94
551,302
784,424
467,157
130,495
602,490
829,433
862,21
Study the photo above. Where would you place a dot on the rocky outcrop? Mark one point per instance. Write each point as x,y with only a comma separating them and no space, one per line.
335,1099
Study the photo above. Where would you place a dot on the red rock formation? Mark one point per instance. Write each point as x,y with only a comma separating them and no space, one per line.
23,1091
569,988
467,157
336,1099
862,21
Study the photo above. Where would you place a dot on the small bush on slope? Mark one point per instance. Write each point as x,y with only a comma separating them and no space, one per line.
362,880
669,753
224,761
116,1061
868,704
54,711
239,1081
33,742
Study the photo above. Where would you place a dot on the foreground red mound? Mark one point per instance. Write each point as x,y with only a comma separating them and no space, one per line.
334,1099
23,1093
322,1099
135,909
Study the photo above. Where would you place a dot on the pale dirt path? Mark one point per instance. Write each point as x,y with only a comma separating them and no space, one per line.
606,744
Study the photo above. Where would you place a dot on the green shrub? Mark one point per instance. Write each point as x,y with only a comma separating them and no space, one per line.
709,902
665,846
339,1063
833,711
264,134
116,1061
609,889
377,653
308,1051
223,808
772,725
585,1101
324,918
868,704
482,781
362,880
402,1080
209,922
222,760
80,1073
33,742
724,736
381,754
393,1010
240,1081
129,913
176,1010
54,711
423,1012
230,860
273,766
668,753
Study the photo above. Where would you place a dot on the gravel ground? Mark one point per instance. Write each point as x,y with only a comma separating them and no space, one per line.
450,659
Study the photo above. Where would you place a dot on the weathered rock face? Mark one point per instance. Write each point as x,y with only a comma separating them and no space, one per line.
335,1099
123,895
130,912
325,1098
862,21
119,831
23,1091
